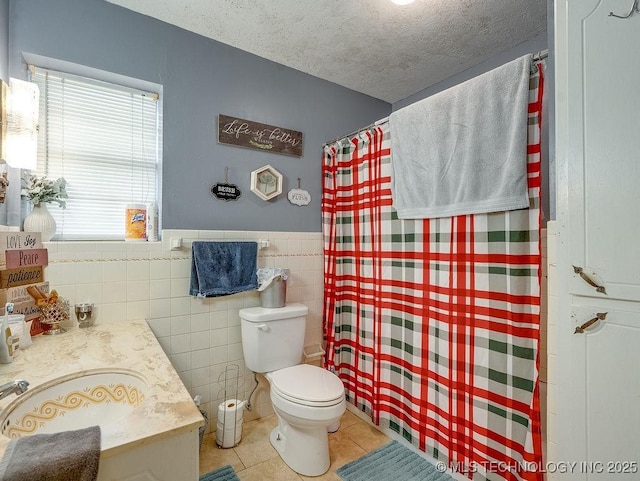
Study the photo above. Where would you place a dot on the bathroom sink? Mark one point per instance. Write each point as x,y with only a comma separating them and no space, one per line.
73,402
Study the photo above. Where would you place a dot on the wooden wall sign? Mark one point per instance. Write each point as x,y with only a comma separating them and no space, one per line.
254,135
21,294
17,258
18,240
20,277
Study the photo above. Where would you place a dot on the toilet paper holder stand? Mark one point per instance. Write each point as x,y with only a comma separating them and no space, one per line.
231,410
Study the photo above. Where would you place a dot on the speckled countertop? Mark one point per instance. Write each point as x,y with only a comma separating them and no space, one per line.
167,408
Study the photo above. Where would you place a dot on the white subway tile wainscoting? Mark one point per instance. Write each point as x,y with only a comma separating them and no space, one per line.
201,337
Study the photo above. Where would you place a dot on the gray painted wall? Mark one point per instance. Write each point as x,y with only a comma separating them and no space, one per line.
201,78
4,40
534,45
4,75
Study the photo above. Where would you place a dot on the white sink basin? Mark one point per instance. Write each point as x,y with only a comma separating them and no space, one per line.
74,402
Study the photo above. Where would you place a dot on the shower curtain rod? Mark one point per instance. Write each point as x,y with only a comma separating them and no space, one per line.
361,129
541,55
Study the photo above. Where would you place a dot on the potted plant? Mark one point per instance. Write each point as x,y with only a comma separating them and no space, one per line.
40,191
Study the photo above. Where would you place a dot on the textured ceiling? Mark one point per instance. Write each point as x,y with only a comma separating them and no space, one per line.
372,46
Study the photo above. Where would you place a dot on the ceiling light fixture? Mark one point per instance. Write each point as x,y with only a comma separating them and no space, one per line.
402,2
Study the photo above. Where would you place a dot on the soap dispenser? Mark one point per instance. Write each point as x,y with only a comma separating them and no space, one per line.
6,339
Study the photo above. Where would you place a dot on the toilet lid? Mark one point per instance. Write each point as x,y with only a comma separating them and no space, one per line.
307,383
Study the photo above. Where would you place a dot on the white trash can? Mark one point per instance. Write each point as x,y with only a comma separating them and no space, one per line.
273,287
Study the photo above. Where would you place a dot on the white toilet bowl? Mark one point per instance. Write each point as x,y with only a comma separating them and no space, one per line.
308,400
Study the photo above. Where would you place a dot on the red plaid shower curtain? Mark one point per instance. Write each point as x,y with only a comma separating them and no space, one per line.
433,325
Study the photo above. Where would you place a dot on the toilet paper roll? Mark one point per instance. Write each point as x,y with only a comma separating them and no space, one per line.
228,437
231,411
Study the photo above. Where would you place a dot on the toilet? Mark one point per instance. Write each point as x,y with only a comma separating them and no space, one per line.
308,400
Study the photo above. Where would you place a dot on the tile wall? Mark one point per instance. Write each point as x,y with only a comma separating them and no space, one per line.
544,305
148,280
201,337
544,321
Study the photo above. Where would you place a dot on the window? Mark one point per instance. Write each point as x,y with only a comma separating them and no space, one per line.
105,140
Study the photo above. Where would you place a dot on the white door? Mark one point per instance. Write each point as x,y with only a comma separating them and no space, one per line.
604,141
595,371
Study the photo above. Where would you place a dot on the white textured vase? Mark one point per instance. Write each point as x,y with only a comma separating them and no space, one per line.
40,220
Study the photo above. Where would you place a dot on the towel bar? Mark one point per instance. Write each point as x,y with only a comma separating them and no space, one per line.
176,243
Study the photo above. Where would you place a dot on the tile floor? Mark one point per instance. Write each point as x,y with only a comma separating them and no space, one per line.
254,459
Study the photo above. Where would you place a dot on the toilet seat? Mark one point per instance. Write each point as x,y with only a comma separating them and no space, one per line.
307,385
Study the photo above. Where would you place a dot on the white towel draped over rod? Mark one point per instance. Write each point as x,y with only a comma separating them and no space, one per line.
541,55
464,150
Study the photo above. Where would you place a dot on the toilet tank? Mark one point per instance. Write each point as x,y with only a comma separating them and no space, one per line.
273,338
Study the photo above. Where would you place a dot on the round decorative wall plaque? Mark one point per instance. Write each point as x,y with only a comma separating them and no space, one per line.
299,196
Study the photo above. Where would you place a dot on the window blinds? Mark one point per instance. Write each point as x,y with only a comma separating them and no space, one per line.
105,140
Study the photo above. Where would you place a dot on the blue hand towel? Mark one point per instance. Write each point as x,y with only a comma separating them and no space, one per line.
223,268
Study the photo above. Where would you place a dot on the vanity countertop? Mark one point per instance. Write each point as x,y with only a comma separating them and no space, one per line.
167,408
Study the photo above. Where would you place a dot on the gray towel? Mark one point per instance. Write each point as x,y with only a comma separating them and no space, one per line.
223,268
66,456
464,150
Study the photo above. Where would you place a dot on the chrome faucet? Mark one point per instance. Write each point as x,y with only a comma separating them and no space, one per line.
18,387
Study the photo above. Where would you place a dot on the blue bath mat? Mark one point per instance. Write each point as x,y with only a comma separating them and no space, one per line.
391,462
225,473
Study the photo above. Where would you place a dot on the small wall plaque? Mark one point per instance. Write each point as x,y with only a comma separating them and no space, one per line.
21,276
254,135
266,182
18,258
224,191
18,240
299,196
